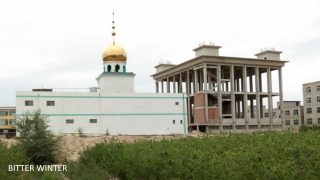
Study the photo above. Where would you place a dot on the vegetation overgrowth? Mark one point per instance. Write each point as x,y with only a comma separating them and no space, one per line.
269,155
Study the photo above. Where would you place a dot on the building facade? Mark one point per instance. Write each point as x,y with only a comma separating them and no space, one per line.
224,92
311,100
111,108
293,113
7,121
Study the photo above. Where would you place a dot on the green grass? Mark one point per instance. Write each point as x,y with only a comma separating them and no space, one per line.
272,155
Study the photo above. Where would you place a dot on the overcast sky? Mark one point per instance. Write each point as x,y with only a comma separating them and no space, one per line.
58,44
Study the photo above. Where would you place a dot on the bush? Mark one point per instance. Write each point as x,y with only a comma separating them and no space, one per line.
38,143
10,156
271,155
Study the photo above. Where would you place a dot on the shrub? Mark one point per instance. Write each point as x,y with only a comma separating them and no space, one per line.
38,143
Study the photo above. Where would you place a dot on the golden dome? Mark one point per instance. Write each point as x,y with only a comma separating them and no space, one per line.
114,52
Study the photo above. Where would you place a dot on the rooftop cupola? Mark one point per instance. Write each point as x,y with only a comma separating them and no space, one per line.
207,50
268,54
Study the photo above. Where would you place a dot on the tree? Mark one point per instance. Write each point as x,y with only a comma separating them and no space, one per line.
39,143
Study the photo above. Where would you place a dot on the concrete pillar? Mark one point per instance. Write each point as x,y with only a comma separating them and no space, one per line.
233,96
168,85
257,96
188,97
196,81
157,87
270,105
281,96
251,83
245,99
180,83
219,95
238,85
162,88
205,84
174,84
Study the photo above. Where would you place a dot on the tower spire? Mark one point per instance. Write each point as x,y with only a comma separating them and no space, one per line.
113,29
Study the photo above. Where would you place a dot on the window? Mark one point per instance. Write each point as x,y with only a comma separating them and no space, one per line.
117,68
266,114
181,121
2,122
287,112
318,109
308,90
295,112
93,120
309,121
28,103
318,88
309,100
288,122
173,121
69,121
177,103
12,113
318,98
296,122
50,103
274,114
318,120
309,110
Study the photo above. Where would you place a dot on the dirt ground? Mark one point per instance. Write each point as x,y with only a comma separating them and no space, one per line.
72,145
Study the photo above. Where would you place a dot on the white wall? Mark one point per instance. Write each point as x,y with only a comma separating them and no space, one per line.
127,113
116,82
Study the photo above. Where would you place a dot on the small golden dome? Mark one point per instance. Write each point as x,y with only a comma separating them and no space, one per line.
114,52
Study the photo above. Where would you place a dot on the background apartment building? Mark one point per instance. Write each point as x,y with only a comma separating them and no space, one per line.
7,121
311,99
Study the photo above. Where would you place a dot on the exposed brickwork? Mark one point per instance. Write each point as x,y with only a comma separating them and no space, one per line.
199,100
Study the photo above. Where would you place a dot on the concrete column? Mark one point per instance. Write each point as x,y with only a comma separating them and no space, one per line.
257,96
245,99
168,85
238,85
196,81
174,84
188,97
200,81
219,95
205,84
233,104
260,83
270,105
180,83
281,96
162,88
157,87
251,83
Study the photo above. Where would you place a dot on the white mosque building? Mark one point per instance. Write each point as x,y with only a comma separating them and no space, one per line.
111,108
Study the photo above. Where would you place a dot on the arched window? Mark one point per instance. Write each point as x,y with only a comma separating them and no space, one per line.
117,68
109,68
124,68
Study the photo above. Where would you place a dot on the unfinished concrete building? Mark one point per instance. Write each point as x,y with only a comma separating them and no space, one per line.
227,93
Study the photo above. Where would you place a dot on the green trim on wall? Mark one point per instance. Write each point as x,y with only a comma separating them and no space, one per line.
115,114
103,97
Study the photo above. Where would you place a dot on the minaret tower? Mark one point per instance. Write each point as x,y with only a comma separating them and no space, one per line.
114,57
115,78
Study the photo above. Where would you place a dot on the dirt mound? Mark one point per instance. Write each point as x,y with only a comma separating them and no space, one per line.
72,146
